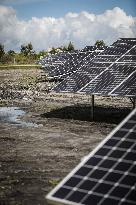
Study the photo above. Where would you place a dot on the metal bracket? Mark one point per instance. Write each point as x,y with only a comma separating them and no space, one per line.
133,100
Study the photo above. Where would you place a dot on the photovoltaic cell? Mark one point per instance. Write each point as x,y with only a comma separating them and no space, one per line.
107,175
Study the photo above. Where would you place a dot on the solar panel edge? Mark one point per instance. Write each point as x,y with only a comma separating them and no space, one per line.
54,200
119,95
65,91
107,95
97,94
60,202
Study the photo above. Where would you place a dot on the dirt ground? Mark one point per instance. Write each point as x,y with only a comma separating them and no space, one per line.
33,159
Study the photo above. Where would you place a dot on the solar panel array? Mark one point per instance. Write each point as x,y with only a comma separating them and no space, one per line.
52,61
63,64
107,175
58,58
111,72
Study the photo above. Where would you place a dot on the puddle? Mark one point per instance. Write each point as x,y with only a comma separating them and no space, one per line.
11,115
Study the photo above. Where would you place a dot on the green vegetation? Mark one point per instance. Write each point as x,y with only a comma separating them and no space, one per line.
1,51
69,48
27,81
99,43
3,103
54,182
27,50
23,66
27,55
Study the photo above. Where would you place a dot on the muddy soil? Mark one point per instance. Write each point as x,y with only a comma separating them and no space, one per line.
33,159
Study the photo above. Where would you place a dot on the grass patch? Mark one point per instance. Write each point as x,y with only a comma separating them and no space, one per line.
27,81
27,66
3,103
54,182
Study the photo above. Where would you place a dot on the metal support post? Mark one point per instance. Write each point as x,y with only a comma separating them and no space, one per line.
92,108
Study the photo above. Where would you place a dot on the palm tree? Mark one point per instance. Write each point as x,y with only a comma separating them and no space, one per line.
99,43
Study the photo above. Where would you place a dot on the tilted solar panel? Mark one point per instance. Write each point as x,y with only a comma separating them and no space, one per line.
128,58
88,69
99,75
106,58
59,57
77,80
63,64
127,87
107,175
112,77
71,65
108,80
55,62
132,51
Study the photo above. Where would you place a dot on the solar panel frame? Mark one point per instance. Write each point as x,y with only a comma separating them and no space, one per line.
55,200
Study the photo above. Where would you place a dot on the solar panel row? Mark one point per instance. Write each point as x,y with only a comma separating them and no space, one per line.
108,80
107,175
72,65
63,64
103,73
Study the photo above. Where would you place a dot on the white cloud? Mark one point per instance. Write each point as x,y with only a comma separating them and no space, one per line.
81,28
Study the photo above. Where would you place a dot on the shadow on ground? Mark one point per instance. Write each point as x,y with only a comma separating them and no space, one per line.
83,113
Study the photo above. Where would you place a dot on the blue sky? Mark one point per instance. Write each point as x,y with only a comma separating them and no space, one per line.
54,23
58,8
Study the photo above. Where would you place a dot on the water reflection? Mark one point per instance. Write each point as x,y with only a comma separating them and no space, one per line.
12,114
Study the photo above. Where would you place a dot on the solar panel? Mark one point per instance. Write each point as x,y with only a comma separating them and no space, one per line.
105,72
72,65
127,87
55,62
106,58
58,58
89,70
62,64
116,74
132,51
108,80
77,80
107,175
128,58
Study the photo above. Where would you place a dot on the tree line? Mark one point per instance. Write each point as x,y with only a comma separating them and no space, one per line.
27,55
